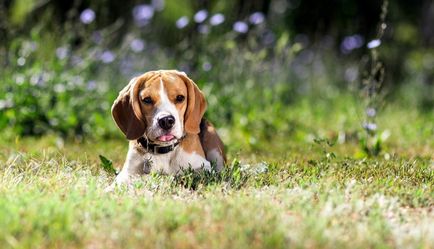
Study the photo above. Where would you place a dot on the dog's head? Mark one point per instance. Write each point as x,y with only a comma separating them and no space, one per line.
160,105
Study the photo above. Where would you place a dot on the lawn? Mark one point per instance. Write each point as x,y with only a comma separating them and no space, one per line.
326,111
308,187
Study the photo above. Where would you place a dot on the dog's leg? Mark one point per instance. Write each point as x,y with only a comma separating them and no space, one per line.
212,144
191,160
133,166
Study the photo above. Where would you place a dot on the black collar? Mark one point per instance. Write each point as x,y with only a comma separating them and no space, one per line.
155,148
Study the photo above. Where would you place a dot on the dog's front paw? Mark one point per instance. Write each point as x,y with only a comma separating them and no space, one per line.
206,166
120,181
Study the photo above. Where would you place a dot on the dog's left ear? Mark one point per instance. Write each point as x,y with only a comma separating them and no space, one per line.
126,112
196,105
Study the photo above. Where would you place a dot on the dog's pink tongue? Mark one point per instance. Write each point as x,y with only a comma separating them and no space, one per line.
166,138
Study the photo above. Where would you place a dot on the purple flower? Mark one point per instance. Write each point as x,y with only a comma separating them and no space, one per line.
96,37
256,18
206,66
351,74
137,45
203,29
240,27
28,47
182,22
87,16
217,19
62,53
76,60
370,112
370,126
142,14
91,85
158,4
200,16
127,66
268,38
107,57
37,80
351,42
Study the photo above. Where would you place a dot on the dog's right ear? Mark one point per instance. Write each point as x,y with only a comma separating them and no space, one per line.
127,114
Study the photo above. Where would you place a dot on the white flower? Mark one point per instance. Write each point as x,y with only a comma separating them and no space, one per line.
21,61
5,104
59,88
19,79
374,43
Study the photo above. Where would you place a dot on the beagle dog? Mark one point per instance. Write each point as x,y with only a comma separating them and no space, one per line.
161,114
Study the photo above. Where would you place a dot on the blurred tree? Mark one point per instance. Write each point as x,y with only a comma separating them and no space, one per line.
409,22
314,18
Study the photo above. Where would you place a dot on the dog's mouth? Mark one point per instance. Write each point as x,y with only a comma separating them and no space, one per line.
166,138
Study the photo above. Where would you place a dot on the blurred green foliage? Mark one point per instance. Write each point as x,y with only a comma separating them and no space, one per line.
65,61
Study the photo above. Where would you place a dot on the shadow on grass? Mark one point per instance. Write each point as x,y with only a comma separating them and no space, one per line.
232,176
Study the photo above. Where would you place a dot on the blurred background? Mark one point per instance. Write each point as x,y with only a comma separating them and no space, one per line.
270,69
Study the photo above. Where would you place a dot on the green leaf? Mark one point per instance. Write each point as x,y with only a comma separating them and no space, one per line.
20,9
107,165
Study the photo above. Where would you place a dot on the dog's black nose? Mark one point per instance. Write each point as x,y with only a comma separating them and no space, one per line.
167,122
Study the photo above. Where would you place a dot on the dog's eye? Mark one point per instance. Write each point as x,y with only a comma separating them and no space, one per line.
147,100
179,98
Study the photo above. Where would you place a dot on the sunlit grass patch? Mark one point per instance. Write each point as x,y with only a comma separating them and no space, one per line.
302,184
56,198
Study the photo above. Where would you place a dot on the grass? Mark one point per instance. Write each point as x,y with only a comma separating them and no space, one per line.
285,191
297,175
299,193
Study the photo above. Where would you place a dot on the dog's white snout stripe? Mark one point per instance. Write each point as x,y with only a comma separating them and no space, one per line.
167,108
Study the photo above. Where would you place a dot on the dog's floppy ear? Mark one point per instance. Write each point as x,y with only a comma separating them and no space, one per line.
126,112
196,105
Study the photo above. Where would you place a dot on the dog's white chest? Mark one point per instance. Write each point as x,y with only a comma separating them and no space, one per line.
173,162
169,163
158,163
